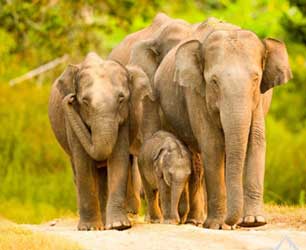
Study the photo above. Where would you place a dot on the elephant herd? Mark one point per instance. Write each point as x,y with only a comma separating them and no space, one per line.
184,103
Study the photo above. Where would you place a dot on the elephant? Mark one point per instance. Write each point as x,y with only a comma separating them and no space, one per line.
213,91
152,42
91,107
165,167
147,55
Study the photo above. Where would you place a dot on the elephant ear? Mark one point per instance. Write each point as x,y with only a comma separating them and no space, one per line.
277,69
158,161
66,82
146,56
140,84
189,66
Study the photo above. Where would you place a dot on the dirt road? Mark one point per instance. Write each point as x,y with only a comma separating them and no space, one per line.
285,231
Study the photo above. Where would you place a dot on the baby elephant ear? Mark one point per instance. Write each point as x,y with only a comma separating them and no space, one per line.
66,81
277,69
189,66
158,160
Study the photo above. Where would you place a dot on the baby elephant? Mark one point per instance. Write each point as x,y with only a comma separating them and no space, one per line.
165,167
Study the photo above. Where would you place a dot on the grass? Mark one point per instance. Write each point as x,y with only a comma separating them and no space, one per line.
15,237
31,212
283,216
35,175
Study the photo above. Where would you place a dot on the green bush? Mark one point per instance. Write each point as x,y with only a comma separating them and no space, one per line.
33,168
285,181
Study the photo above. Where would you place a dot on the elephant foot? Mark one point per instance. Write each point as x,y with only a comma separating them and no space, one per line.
194,222
152,220
132,211
118,222
90,226
133,206
252,221
171,221
216,224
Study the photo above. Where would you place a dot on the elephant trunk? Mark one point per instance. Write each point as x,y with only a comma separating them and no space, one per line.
100,142
104,136
236,126
177,188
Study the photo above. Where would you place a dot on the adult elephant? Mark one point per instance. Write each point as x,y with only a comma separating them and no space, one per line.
91,107
147,56
144,50
214,92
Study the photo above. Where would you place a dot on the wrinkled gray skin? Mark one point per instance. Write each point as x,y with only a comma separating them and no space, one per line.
122,54
89,114
146,55
144,50
214,92
165,167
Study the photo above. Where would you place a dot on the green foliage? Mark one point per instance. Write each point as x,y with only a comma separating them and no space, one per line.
33,168
295,21
286,164
35,177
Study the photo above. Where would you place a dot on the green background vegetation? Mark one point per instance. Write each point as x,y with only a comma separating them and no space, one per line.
35,177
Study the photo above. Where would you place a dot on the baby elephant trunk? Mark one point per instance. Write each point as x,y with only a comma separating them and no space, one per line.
178,185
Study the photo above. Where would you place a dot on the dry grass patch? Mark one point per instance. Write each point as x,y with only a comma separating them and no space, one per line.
14,237
287,216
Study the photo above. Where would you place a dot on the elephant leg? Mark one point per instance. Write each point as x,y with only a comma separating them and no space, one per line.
85,179
134,186
184,207
154,213
86,184
136,183
165,201
253,215
196,196
213,159
102,181
196,200
73,171
117,175
88,202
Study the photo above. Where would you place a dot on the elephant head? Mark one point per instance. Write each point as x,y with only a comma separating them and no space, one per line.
173,166
98,95
229,70
148,54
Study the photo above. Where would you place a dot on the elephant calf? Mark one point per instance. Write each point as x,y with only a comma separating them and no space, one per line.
165,168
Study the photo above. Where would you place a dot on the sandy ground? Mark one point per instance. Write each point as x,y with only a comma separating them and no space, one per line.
284,231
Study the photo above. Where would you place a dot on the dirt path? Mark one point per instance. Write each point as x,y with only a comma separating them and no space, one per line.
285,231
